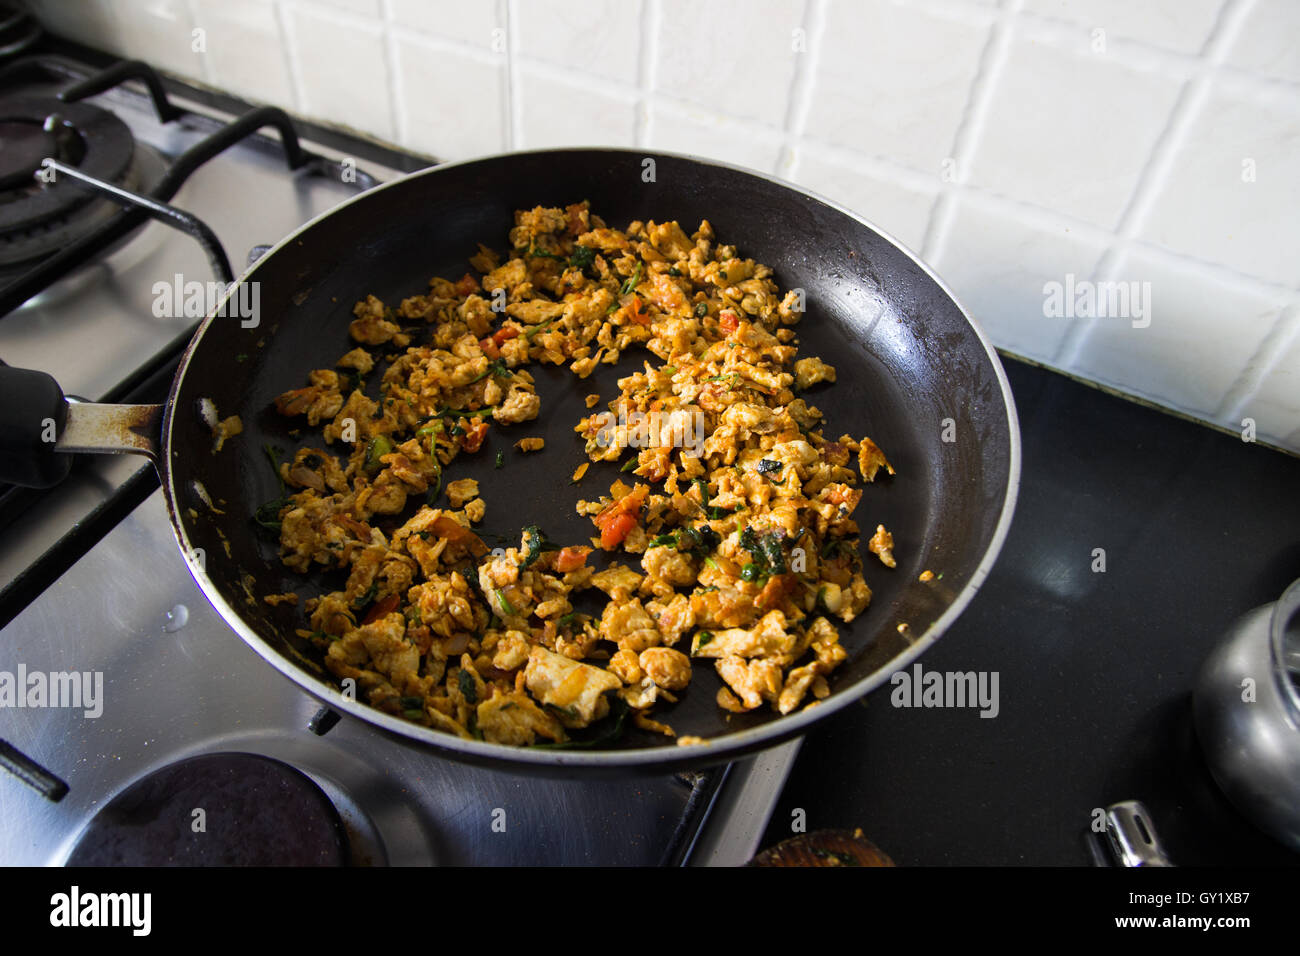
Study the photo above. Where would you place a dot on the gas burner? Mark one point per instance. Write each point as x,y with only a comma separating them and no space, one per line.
224,809
36,217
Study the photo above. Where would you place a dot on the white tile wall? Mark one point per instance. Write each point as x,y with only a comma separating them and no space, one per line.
593,115
1267,42
878,87
1233,191
997,261
245,54
452,99
1204,328
732,56
597,38
341,68
1010,142
1275,405
1070,130
1183,25
686,128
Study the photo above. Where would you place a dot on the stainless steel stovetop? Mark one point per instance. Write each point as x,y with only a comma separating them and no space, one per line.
177,682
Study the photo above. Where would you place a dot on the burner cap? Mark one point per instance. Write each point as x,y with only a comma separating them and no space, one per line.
33,127
256,811
23,144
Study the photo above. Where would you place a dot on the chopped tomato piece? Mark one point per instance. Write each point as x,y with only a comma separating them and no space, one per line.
618,520
456,533
842,495
570,559
637,312
466,284
775,591
474,436
380,608
615,530
729,320
491,345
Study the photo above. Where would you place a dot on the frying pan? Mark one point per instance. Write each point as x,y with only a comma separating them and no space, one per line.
914,373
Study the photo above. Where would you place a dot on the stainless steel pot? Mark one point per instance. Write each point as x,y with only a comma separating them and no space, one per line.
1247,713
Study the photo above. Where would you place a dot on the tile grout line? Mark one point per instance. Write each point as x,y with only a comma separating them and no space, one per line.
647,50
1151,179
512,119
396,94
988,73
1284,333
799,96
480,53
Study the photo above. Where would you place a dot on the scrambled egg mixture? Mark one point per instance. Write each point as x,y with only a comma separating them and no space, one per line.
737,544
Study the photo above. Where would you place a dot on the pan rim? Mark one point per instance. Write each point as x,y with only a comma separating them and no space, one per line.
670,755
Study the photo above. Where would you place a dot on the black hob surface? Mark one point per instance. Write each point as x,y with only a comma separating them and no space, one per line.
1095,668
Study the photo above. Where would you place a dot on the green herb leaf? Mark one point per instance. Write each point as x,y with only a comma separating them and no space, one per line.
368,597
632,281
496,367
268,515
379,446
461,413
769,556
275,464
467,686
534,544
537,252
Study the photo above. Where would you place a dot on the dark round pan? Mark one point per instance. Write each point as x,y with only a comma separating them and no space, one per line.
914,374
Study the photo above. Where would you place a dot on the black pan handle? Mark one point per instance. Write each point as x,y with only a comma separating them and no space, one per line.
39,428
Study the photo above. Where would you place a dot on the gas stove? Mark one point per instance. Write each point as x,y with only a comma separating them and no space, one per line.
146,698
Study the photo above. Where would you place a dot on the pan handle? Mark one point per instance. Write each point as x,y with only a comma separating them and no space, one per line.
39,428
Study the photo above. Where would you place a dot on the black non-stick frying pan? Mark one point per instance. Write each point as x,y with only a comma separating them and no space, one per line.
914,374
